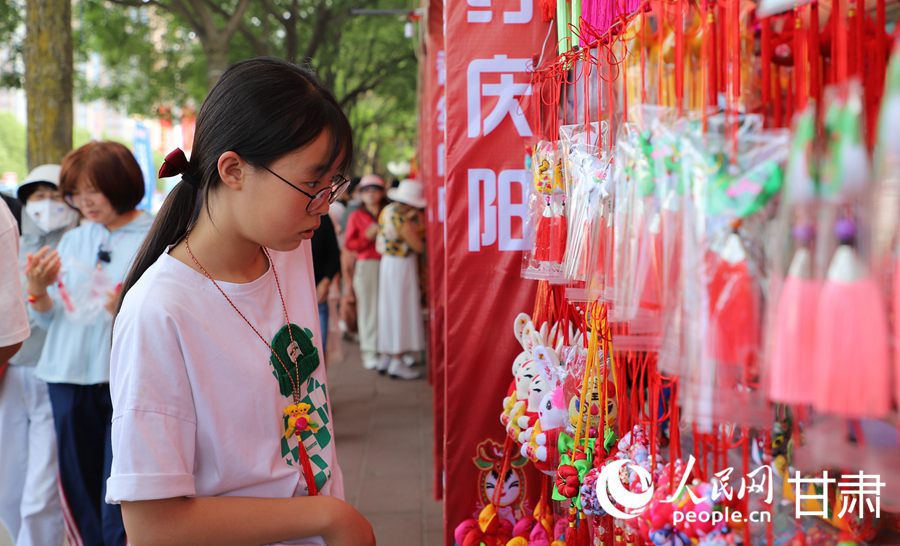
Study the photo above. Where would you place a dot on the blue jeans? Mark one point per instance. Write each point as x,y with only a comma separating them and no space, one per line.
323,324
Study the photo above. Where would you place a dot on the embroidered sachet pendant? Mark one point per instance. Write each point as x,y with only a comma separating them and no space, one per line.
299,353
307,419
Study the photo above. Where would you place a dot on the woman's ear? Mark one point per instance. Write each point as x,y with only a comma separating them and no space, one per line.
232,170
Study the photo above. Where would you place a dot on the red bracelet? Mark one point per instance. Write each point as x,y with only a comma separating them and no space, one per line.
33,299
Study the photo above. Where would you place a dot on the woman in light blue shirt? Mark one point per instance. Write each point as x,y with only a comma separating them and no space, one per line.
73,292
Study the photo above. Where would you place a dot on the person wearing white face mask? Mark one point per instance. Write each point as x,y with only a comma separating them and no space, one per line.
30,506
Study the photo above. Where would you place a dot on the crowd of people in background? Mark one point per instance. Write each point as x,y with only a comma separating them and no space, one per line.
55,406
369,249
76,229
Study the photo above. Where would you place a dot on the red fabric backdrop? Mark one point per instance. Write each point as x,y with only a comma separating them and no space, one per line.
490,48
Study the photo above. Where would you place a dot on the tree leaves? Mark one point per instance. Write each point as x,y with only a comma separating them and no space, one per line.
165,52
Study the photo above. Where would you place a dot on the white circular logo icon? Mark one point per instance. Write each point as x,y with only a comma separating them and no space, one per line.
610,488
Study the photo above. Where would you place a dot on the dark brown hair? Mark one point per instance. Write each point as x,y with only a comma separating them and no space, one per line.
110,167
262,109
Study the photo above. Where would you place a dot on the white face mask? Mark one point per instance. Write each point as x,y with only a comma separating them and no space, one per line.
50,215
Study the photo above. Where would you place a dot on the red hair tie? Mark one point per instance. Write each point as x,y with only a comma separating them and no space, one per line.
174,164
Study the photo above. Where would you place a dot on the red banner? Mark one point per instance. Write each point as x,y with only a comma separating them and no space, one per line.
432,118
491,46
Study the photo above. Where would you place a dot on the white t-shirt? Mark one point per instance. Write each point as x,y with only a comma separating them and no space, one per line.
196,408
13,316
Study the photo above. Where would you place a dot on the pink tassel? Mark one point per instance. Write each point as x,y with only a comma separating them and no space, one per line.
795,334
853,378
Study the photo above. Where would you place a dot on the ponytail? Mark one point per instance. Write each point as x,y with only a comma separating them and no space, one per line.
177,215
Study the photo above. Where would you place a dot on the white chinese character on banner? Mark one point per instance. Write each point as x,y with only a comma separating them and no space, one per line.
800,495
521,17
482,12
441,62
441,158
507,93
491,217
442,113
861,487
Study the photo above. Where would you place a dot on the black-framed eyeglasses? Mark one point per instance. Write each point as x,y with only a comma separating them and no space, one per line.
330,194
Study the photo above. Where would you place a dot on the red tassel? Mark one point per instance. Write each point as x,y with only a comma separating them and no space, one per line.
307,468
841,31
776,99
710,43
815,54
801,42
584,536
734,316
542,239
766,58
558,234
679,56
548,10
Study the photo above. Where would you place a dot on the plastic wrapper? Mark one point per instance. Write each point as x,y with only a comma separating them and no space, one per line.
723,305
852,331
588,192
793,286
546,207
84,302
644,166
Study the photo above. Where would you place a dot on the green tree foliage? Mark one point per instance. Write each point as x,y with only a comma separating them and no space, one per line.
12,145
167,53
12,27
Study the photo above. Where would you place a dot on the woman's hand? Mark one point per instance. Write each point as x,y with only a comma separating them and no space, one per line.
372,232
41,270
322,290
112,299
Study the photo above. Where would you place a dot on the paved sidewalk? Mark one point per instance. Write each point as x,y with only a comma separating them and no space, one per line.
384,436
383,432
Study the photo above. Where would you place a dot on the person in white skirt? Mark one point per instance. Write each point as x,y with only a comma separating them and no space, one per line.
401,237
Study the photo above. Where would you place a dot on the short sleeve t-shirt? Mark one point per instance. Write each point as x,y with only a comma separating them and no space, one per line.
13,316
197,409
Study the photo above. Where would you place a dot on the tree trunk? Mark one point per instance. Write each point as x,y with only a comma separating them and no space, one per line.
48,80
216,60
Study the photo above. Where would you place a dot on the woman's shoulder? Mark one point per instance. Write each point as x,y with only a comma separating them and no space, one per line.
165,288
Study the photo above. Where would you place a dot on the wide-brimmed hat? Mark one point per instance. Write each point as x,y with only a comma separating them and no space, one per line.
409,192
43,174
371,181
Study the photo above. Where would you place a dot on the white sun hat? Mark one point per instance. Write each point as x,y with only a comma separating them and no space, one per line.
409,192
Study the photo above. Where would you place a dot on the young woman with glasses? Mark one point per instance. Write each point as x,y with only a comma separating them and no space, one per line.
222,429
